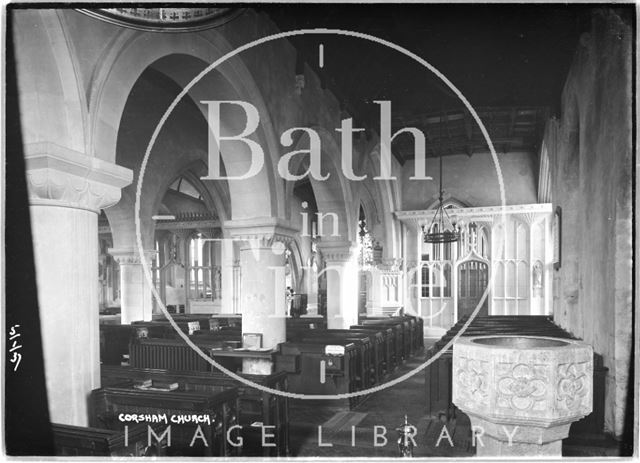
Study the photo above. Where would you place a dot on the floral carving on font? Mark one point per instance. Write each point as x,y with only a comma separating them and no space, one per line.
522,386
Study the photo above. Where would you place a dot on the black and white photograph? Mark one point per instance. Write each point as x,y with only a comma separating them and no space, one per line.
319,231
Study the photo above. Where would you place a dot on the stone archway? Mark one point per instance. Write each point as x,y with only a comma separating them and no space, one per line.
52,102
385,196
181,57
334,197
254,198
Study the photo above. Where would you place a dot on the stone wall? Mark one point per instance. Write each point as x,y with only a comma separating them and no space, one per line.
472,180
590,155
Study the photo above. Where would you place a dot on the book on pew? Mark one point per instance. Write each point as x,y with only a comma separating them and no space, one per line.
253,349
143,383
165,385
151,385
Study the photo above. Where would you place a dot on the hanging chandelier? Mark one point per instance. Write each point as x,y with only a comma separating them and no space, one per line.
442,228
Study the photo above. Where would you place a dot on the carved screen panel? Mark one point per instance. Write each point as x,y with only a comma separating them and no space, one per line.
473,278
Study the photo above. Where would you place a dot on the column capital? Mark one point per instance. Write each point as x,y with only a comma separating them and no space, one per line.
261,231
58,176
337,251
393,264
130,256
412,263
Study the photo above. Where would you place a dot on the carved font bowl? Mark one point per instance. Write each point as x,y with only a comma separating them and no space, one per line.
526,380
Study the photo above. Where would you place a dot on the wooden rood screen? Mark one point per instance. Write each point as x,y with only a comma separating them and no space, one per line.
473,278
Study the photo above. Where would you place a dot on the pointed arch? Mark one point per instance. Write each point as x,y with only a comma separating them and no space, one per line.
52,104
385,196
448,203
181,57
333,195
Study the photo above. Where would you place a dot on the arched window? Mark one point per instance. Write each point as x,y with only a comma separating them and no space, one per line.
189,265
200,269
184,186
168,271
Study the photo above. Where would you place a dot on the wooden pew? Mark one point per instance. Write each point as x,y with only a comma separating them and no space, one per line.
105,319
302,362
404,326
115,339
362,357
226,319
110,402
362,343
164,328
319,323
411,339
254,405
416,328
227,337
175,354
80,441
367,348
203,320
114,343
399,346
386,351
378,340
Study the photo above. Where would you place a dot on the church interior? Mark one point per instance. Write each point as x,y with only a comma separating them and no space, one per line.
257,235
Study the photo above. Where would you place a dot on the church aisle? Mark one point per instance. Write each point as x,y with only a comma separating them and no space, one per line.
222,207
383,412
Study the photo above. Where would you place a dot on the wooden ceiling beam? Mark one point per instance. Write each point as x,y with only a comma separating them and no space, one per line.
509,129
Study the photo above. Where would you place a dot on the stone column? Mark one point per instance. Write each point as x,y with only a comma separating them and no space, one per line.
66,191
342,283
136,301
262,303
228,264
237,285
312,291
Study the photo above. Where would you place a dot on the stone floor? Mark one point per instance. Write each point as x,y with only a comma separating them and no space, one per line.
386,409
